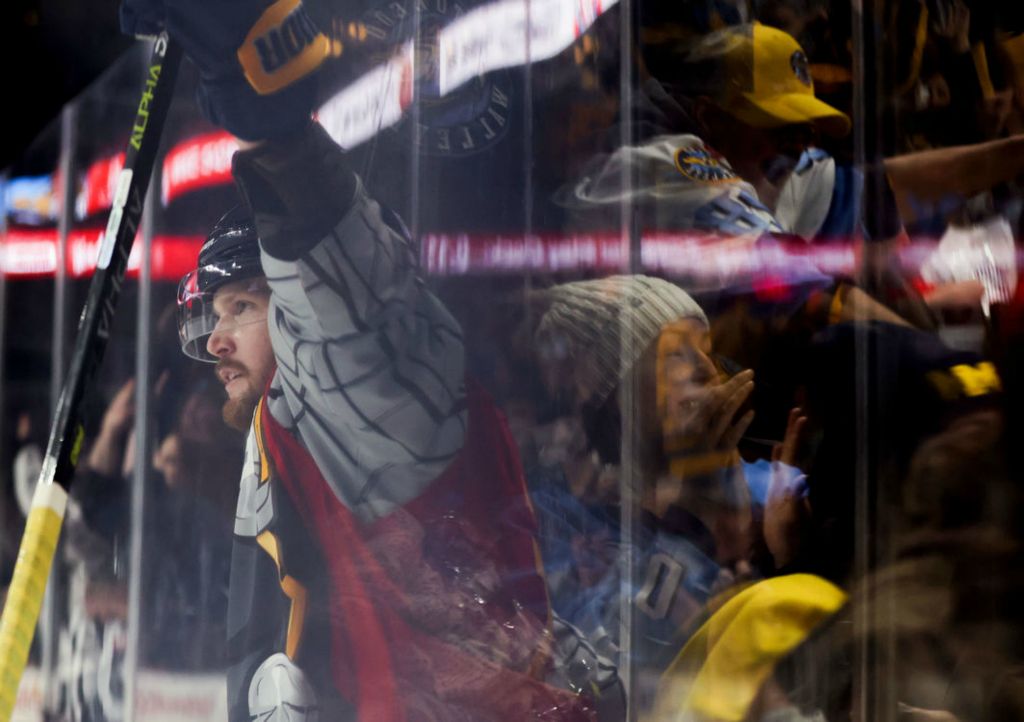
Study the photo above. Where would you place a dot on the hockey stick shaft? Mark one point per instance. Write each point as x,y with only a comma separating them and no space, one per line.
42,530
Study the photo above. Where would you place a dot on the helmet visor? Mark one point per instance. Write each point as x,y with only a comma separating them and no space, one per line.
197,316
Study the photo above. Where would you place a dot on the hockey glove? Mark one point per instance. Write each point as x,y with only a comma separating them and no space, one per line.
255,58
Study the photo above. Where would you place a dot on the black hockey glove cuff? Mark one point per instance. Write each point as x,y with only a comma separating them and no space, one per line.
297,188
255,58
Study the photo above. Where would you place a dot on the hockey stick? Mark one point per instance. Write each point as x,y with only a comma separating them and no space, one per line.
42,530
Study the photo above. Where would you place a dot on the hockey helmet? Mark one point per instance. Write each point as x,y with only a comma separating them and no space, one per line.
230,253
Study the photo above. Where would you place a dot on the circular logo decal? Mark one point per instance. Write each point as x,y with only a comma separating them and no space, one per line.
700,165
467,120
801,68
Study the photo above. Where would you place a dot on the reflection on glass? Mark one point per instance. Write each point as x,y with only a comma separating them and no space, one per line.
690,395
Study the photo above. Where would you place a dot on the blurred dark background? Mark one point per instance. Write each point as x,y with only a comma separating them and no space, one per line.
51,50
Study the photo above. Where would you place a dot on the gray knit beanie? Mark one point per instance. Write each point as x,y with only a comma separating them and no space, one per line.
603,326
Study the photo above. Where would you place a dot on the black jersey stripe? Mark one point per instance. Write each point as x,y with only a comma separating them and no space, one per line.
435,412
340,289
383,306
335,440
371,292
377,370
373,480
452,328
373,425
283,279
299,394
431,371
368,221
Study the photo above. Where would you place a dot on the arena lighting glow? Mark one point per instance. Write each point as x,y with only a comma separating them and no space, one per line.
702,260
199,162
377,100
98,186
498,35
159,697
31,199
509,33
33,254
693,254
28,253
83,248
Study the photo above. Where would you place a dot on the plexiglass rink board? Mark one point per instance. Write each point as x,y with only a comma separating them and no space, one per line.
669,355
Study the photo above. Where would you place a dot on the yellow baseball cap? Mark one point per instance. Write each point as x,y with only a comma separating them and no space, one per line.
722,667
766,79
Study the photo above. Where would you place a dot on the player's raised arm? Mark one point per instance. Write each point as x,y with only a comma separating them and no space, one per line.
370,364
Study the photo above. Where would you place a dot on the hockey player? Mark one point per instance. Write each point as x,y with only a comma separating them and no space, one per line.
384,564
382,540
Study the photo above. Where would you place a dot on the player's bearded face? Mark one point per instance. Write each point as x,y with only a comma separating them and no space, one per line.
240,406
241,343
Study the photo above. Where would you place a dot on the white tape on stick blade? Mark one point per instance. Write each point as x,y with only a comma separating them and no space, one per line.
124,181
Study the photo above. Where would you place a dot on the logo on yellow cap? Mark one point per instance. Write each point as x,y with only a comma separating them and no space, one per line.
702,166
801,68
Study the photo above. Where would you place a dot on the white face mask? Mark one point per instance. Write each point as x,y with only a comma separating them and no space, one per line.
198,315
